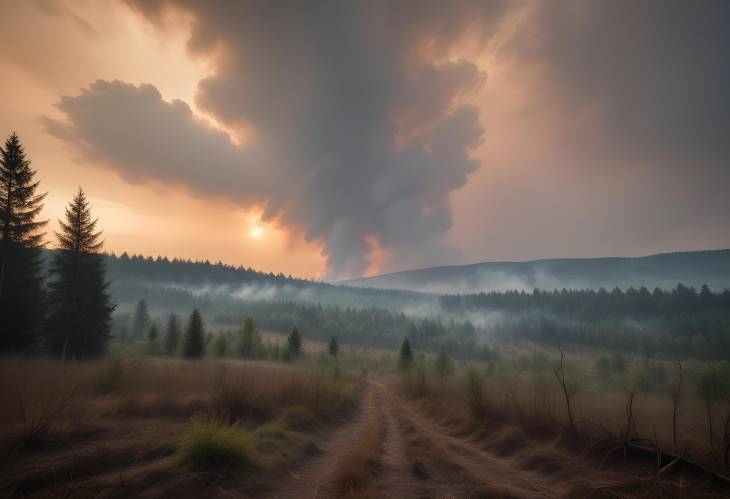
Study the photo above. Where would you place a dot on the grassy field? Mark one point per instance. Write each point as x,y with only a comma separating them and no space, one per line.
82,428
359,425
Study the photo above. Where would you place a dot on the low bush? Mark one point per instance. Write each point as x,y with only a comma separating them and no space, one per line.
213,445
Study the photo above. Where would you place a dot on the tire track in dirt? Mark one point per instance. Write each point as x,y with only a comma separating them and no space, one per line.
455,467
410,457
314,478
388,473
396,478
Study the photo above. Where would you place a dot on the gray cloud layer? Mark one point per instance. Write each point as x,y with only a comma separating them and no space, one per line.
359,115
358,128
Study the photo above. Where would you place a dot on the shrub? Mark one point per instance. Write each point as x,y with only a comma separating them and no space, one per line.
214,445
475,391
334,347
220,344
444,365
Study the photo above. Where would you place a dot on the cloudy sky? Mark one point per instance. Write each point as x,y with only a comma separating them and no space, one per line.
335,139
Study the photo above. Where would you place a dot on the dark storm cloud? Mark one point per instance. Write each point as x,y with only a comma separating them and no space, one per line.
358,123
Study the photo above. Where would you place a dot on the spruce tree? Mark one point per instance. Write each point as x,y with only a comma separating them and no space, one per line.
79,320
20,256
172,335
295,342
406,354
153,333
194,346
334,348
153,346
141,319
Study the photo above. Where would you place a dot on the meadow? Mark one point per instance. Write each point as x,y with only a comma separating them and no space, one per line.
364,423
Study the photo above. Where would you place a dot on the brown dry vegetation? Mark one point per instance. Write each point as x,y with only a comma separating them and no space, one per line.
522,417
230,428
354,470
114,427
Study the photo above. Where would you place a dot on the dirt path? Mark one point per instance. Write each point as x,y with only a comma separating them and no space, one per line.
314,478
412,457
452,466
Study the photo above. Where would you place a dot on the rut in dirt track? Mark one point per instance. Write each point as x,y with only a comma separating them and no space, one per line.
314,477
413,458
452,466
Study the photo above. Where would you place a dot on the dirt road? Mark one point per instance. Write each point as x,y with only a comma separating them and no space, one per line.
409,456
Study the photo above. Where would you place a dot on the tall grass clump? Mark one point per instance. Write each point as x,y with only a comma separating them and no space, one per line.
213,445
415,380
475,392
111,376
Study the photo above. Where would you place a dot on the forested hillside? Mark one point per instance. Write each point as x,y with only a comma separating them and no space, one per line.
691,268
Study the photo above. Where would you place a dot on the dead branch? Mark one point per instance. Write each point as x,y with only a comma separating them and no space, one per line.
559,373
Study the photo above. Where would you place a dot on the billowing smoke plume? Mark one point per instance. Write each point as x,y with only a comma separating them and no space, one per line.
357,117
609,123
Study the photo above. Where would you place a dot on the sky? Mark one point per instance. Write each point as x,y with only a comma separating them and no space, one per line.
336,139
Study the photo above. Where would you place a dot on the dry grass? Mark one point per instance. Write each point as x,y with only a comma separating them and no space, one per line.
64,422
352,474
521,416
210,444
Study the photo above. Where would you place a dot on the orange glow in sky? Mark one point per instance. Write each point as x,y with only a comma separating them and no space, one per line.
78,43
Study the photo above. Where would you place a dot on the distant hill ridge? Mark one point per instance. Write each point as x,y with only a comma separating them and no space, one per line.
664,270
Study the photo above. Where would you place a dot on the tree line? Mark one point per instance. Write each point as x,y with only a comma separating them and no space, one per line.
246,342
368,326
596,304
679,323
64,310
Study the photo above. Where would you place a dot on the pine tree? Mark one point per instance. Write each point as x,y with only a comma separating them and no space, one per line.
172,335
334,348
406,354
153,333
250,343
141,319
79,320
295,342
20,256
153,346
194,345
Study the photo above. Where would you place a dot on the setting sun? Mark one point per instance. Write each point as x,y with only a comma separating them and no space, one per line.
257,232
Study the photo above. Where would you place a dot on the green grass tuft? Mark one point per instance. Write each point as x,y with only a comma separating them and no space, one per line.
214,445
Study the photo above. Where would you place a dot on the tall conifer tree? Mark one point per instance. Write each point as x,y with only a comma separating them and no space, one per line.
20,255
79,320
295,342
172,335
194,346
141,319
